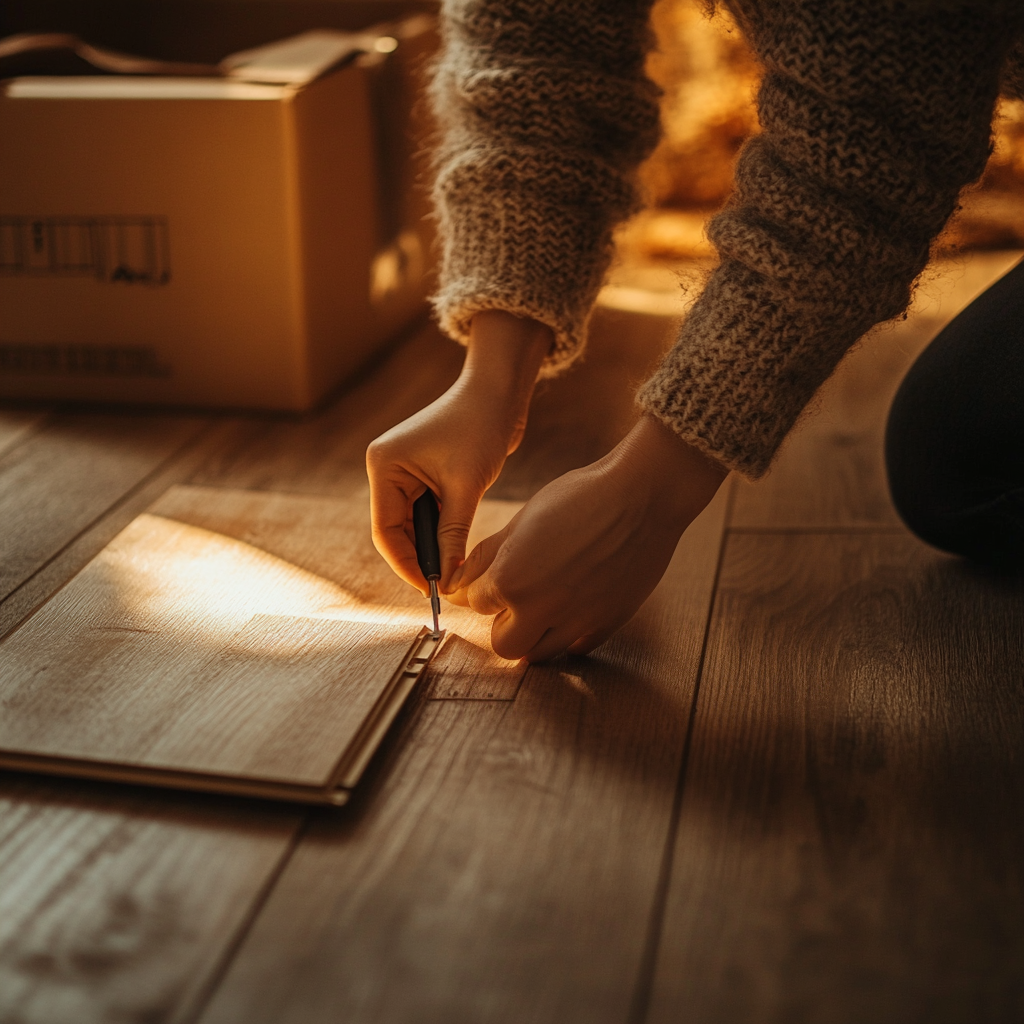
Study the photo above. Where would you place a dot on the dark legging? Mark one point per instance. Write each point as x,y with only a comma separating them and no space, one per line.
954,445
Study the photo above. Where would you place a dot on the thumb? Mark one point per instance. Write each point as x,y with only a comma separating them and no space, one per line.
457,511
479,560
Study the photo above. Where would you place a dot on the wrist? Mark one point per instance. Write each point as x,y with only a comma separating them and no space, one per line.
504,356
678,479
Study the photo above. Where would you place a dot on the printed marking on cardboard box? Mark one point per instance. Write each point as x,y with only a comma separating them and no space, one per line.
127,250
81,360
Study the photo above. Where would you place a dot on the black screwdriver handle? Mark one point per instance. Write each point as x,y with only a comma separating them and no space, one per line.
425,516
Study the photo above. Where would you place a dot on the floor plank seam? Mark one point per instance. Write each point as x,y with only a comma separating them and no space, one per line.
157,470
192,1014
640,1007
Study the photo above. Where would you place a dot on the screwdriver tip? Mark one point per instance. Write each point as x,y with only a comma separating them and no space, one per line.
435,607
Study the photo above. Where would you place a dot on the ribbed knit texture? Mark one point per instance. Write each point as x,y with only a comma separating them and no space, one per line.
874,115
546,114
872,124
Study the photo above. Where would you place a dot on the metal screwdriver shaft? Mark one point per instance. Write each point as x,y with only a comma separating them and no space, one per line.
425,516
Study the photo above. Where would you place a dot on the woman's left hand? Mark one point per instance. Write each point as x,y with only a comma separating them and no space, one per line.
586,551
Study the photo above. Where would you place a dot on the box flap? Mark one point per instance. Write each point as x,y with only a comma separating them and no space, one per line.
302,58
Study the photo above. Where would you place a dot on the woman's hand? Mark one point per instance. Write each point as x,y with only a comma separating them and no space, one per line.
457,445
585,552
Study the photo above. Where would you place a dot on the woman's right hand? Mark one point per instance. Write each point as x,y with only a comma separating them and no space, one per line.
457,445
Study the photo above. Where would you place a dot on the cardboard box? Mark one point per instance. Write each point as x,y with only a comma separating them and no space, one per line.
244,242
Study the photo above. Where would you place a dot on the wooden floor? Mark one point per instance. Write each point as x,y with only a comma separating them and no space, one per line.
790,790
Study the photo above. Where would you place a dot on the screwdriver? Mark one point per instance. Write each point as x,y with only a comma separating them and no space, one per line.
425,517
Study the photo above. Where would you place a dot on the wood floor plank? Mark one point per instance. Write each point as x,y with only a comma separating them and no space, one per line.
41,585
329,539
831,471
144,660
850,845
117,904
17,424
57,483
513,884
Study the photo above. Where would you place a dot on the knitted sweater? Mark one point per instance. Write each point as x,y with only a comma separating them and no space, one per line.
874,115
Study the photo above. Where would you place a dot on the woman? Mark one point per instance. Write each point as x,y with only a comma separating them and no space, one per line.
874,116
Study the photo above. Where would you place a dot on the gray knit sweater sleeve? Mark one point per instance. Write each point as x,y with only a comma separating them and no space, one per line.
545,115
873,119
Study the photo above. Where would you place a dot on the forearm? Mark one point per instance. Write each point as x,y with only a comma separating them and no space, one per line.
860,163
503,359
545,114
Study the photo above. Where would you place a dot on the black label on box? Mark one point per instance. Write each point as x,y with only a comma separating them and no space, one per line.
81,361
128,250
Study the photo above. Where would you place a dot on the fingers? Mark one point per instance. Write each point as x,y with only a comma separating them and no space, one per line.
390,506
478,562
514,636
587,643
458,507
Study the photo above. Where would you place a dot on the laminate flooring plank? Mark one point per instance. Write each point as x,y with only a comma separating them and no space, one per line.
326,544
831,471
850,845
515,884
117,904
61,480
18,424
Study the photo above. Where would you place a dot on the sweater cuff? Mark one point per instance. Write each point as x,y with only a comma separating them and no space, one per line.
748,360
520,248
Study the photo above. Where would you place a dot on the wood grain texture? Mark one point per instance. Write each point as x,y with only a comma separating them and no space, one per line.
73,557
464,671
59,481
831,471
329,538
514,882
182,648
117,904
16,425
850,846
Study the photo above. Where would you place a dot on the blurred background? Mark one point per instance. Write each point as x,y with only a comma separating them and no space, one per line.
707,73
